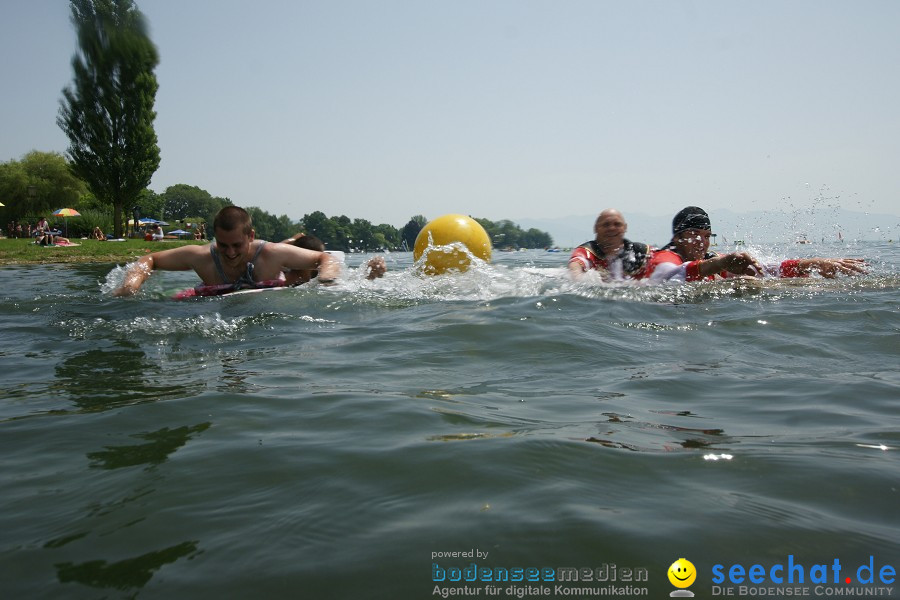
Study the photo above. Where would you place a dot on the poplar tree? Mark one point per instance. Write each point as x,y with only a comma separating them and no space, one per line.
107,113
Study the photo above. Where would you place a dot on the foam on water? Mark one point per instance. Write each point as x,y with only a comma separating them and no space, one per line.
405,283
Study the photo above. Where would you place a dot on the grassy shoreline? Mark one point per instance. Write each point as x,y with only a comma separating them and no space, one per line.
24,252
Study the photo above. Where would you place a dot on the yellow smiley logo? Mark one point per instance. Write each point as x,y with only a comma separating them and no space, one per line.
682,573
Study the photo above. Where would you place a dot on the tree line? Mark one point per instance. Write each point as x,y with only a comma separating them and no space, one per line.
42,182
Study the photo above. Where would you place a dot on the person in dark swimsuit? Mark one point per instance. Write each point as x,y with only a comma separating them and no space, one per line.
375,267
235,259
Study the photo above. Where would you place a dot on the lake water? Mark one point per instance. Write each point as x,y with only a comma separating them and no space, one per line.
334,442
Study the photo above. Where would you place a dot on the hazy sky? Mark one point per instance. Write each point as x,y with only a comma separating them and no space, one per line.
382,109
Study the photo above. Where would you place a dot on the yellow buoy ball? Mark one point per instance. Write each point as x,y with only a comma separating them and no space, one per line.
439,242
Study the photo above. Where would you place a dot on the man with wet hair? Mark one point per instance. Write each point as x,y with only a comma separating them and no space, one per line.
235,260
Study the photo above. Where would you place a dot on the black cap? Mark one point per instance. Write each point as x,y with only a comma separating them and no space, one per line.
692,217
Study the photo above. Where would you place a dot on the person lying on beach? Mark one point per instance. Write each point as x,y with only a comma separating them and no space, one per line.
235,259
375,267
687,258
55,240
617,258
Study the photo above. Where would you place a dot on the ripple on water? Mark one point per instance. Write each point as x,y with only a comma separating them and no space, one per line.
206,445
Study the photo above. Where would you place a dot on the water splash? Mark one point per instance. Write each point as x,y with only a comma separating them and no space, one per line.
406,284
114,279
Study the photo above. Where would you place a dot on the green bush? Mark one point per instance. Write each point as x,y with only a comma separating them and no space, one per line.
79,227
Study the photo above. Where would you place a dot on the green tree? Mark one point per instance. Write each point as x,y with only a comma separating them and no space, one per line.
510,233
411,230
182,201
362,235
535,238
13,190
387,236
90,202
340,233
322,227
39,183
108,113
506,234
285,228
263,223
51,181
343,233
152,204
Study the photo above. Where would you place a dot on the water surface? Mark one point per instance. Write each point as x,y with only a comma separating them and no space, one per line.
325,442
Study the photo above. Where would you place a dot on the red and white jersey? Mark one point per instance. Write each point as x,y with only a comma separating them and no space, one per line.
667,265
629,263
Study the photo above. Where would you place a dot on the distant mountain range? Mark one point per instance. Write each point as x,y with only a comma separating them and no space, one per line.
758,226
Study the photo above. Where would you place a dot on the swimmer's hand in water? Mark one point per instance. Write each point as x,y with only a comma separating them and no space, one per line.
739,263
329,269
832,267
135,277
123,292
376,267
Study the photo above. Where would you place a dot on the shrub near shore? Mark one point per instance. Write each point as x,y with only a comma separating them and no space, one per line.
25,252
